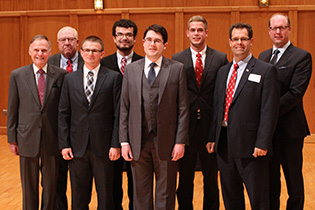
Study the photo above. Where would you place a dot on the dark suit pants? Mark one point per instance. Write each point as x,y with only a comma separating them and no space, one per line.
187,173
61,196
165,176
253,172
29,169
82,171
288,154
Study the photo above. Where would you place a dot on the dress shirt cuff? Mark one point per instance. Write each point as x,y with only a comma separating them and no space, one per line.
124,143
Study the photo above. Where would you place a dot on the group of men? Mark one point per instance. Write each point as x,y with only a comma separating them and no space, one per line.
244,118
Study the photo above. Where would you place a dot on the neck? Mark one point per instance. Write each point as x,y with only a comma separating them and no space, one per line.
91,67
125,52
198,48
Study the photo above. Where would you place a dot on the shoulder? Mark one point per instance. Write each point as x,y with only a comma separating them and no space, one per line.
56,69
54,59
181,55
216,53
136,57
173,63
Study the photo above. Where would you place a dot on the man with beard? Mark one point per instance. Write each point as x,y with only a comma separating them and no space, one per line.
69,59
124,35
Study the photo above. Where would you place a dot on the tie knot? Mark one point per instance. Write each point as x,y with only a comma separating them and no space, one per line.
152,65
40,71
276,51
236,66
90,73
123,60
69,61
198,55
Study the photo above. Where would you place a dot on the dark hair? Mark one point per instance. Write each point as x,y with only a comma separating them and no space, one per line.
40,37
241,26
281,14
125,23
93,39
157,29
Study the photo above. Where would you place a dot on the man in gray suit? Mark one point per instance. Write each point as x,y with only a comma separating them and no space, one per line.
32,124
154,121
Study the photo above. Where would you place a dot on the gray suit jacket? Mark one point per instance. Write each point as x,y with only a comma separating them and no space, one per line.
173,108
28,123
55,60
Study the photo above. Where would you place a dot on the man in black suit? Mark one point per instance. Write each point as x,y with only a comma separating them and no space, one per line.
34,93
245,111
88,126
69,59
124,35
294,67
200,97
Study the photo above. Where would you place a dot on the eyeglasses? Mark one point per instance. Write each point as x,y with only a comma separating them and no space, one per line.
70,39
155,41
242,39
93,51
281,28
121,35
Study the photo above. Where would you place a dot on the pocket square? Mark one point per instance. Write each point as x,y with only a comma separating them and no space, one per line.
254,78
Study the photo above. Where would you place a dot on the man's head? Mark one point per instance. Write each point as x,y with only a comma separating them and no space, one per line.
92,51
197,32
154,41
241,39
67,40
124,35
40,50
279,29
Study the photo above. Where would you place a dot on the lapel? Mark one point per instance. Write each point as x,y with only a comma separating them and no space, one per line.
267,56
115,62
80,61
101,78
189,66
284,58
50,80
222,84
164,75
206,68
79,80
137,76
31,82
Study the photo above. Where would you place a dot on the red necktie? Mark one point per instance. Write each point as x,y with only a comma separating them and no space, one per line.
41,86
198,69
230,91
123,65
69,66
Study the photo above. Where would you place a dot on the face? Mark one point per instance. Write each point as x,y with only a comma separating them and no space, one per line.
39,51
240,43
197,35
91,54
153,45
279,31
67,43
124,38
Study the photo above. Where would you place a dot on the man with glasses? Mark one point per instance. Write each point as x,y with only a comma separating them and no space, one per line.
69,59
201,65
88,126
294,67
153,127
124,35
245,110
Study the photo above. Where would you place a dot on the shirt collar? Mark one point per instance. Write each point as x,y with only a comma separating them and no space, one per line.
95,71
202,52
281,49
36,69
73,59
148,62
243,63
127,57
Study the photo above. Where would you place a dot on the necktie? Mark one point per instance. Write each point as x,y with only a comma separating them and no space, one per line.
89,86
230,91
198,69
123,65
275,57
69,66
151,75
41,86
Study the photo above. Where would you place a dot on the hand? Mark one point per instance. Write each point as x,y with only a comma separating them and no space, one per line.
126,152
210,147
14,148
178,152
67,153
114,153
259,152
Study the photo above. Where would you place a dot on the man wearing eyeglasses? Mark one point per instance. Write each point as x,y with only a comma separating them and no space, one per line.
124,35
245,111
88,126
294,67
153,127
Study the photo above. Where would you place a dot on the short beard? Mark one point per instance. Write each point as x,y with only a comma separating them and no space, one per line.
124,48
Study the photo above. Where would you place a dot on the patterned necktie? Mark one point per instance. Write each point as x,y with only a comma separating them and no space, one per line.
230,91
69,66
275,57
151,75
123,65
41,86
89,86
198,69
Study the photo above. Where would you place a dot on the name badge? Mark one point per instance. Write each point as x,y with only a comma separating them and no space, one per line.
254,78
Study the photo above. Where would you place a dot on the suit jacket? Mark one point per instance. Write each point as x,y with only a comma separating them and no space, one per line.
253,112
201,97
55,60
294,71
97,123
28,123
172,114
110,61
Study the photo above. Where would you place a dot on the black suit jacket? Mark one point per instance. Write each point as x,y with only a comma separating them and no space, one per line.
97,123
55,60
294,71
253,112
110,61
201,97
